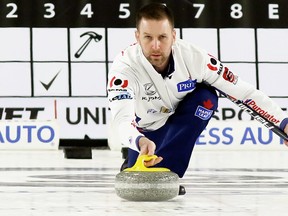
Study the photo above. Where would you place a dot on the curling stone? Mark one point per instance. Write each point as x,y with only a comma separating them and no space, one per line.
141,183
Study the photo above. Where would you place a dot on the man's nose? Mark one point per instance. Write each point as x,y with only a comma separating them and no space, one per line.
156,44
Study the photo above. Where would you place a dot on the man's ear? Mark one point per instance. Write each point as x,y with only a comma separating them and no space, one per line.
174,35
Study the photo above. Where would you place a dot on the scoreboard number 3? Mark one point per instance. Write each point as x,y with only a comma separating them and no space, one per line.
50,10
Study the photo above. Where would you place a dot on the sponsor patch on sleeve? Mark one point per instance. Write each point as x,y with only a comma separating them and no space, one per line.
121,96
214,65
186,85
118,83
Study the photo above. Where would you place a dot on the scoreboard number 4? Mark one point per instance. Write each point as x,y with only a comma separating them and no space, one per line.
87,10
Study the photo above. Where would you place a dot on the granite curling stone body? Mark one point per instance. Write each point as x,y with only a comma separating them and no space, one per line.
141,183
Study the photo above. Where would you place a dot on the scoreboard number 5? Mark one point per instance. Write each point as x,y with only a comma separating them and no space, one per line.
124,11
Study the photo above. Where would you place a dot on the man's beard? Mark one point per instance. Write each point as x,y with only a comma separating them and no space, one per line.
157,62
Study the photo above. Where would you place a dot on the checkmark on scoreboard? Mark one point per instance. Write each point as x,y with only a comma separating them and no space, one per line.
48,85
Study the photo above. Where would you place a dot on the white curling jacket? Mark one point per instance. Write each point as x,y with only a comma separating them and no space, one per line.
141,99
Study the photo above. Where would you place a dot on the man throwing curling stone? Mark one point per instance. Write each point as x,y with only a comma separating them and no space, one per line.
162,95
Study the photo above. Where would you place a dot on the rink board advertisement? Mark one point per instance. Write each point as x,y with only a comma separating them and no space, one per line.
76,118
238,135
55,55
28,135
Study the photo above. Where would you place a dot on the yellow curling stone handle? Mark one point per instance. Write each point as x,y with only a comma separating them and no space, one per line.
139,165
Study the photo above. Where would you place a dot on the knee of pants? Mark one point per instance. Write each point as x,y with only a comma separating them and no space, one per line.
206,96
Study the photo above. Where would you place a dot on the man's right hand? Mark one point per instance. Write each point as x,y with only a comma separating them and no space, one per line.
147,147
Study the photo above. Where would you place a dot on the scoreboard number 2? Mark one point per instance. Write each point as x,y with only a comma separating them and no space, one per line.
12,13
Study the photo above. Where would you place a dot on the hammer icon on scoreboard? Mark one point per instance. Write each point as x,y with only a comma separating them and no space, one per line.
92,35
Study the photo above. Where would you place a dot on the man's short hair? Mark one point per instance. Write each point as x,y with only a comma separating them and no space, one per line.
155,11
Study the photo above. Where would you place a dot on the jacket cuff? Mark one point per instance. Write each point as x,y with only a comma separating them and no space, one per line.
137,141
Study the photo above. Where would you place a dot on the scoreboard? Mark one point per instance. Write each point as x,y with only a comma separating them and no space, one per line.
55,54
121,13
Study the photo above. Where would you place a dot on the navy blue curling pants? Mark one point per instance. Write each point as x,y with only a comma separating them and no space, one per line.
176,139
